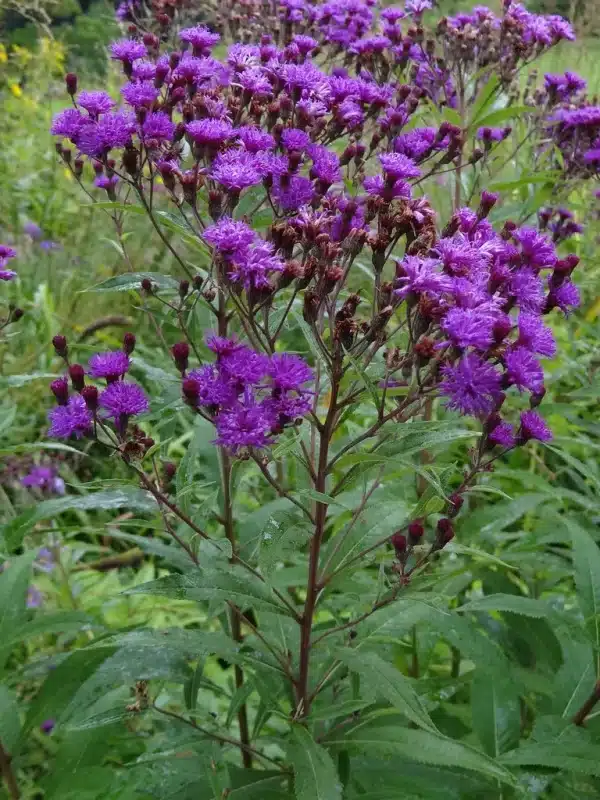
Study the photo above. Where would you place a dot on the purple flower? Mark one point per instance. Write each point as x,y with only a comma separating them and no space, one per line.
528,289
122,399
524,370
537,251
398,166
235,170
95,103
534,427
253,266
566,297
44,560
244,425
212,389
158,126
213,132
418,275
6,253
34,598
254,81
74,419
592,156
141,94
244,367
223,347
269,164
535,336
294,139
229,236
472,385
127,51
144,70
201,39
7,274
375,185
44,478
255,139
416,143
326,164
493,134
48,245
305,44
459,256
503,435
33,230
470,327
68,123
111,365
106,182
292,192
112,130
289,372
48,726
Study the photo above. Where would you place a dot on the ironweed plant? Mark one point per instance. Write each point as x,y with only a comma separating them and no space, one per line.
334,342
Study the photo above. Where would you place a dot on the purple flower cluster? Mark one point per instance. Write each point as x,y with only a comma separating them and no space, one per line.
44,478
481,299
77,412
250,396
6,254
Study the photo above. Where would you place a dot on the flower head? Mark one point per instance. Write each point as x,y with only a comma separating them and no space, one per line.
247,424
122,399
110,131
289,372
158,126
524,370
201,39
229,236
72,419
111,365
127,51
472,385
95,103
534,427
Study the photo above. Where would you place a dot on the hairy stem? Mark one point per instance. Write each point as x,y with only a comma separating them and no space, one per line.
312,589
586,708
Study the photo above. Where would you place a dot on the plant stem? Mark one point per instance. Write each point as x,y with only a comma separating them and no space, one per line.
580,716
312,589
7,773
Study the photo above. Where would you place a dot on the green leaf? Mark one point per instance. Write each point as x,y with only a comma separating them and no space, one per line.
496,712
381,739
527,179
573,756
315,776
9,718
16,381
384,680
502,114
586,562
368,382
110,206
14,583
574,681
133,280
62,684
60,622
129,497
236,585
512,603
281,536
483,99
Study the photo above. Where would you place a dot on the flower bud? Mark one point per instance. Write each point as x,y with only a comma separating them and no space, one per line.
77,375
445,532
456,503
147,285
16,314
71,83
181,353
60,390
129,343
190,391
399,544
184,287
536,398
415,532
90,395
60,345
169,470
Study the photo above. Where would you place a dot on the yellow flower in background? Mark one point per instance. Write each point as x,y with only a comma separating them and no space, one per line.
3,55
16,89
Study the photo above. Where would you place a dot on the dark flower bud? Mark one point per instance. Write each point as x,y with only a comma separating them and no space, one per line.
456,503
16,315
130,160
77,375
164,20
190,391
169,470
150,40
445,532
399,543
184,287
508,229
487,202
129,343
181,353
415,532
147,285
66,154
71,83
60,345
209,294
90,395
60,390
501,330
536,398
198,282
78,167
